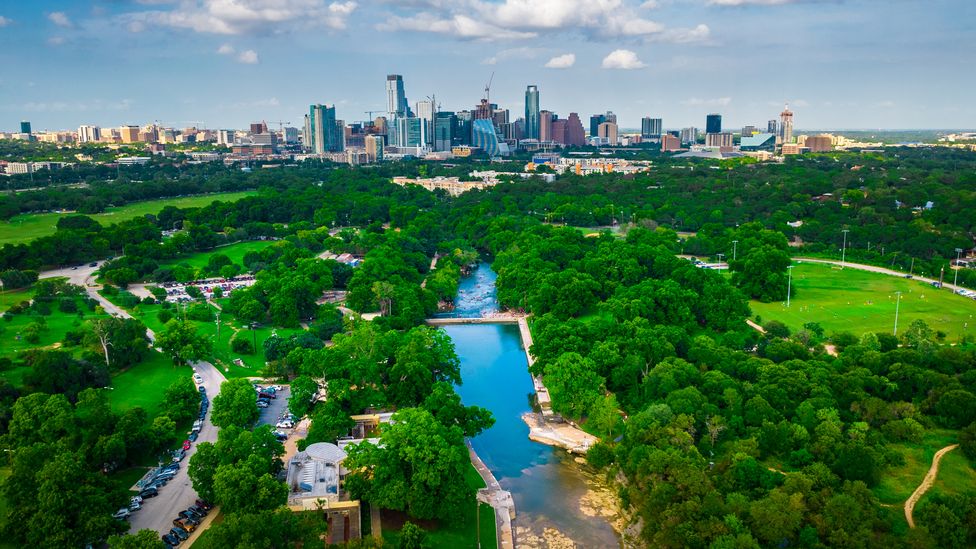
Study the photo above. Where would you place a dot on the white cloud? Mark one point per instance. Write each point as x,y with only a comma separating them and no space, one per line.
248,57
248,16
512,53
225,49
461,26
4,21
59,18
622,59
518,19
55,41
135,26
564,61
751,2
650,5
716,102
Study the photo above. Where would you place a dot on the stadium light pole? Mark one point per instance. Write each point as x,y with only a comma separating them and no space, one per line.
789,283
955,277
897,303
843,250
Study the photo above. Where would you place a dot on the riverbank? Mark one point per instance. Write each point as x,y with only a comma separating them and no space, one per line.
500,500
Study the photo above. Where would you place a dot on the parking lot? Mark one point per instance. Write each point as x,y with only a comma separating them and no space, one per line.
277,407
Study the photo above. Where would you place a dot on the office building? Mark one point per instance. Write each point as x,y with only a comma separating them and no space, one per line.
289,135
396,98
608,131
25,127
374,148
532,113
670,143
758,142
545,126
574,135
651,127
610,117
323,134
129,134
484,136
749,130
819,143
89,134
557,132
786,125
445,126
595,122
771,127
225,137
713,123
689,135
721,139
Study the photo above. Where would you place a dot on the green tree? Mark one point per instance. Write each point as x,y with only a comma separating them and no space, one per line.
412,537
181,401
303,390
181,341
242,490
418,468
235,405
143,539
573,384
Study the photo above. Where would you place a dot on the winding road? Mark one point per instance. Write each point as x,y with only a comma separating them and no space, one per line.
158,513
926,484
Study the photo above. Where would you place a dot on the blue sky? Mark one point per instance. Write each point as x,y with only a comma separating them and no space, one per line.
224,63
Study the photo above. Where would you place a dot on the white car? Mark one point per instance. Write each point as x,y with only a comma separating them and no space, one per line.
198,379
121,514
284,424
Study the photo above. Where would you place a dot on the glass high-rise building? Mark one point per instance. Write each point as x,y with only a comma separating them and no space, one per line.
322,131
651,127
713,123
484,136
532,113
25,127
445,129
595,122
396,98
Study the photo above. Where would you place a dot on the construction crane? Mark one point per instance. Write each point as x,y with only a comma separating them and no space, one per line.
488,88
281,125
370,114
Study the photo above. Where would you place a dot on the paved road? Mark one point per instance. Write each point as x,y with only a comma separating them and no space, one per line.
78,276
158,513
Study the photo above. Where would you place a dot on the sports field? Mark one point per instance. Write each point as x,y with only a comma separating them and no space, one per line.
24,228
860,301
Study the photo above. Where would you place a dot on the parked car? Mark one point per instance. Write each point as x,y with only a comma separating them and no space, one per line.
193,436
149,493
134,506
190,514
179,455
171,540
204,504
180,533
184,524
284,424
198,379
263,404
198,510
186,444
122,514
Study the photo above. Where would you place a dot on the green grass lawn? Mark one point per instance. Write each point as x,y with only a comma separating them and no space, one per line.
143,384
23,228
12,341
4,509
461,532
860,301
956,476
13,297
897,483
234,251
222,354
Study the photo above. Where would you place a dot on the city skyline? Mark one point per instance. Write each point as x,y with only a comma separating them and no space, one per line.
196,63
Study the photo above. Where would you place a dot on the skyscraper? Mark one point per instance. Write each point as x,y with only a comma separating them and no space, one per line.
575,137
786,124
651,127
771,127
608,131
374,147
595,122
713,123
689,135
545,126
484,136
396,98
610,117
445,130
425,112
322,131
532,115
25,127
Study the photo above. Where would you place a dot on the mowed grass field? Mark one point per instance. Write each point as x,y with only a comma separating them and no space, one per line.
234,251
860,301
143,385
24,228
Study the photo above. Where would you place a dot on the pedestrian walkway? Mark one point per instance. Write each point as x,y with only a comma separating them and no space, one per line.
500,500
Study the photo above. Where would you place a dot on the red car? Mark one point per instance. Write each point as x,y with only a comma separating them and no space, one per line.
186,444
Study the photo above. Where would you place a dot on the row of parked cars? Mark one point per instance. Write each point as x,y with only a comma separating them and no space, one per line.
187,521
266,395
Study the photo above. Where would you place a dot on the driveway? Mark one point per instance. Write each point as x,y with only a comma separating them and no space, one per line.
158,513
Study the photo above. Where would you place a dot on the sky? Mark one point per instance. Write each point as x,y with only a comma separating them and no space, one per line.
841,64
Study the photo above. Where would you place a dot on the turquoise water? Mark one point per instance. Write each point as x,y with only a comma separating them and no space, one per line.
545,482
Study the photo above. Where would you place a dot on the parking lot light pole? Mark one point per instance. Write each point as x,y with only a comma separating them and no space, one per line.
897,303
789,283
955,277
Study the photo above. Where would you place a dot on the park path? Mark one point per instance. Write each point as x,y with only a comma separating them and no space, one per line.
499,499
926,483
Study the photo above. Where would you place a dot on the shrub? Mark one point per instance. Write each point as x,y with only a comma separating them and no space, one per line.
240,344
